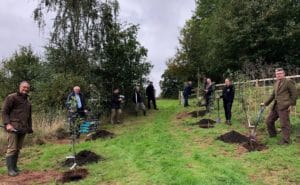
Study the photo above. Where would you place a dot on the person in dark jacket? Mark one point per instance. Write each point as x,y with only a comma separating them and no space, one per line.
80,106
187,91
138,100
16,115
76,109
208,94
150,92
116,110
228,97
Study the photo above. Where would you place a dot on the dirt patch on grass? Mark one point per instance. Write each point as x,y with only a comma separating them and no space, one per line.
73,175
103,134
83,157
252,146
199,113
28,178
182,115
233,137
236,137
60,133
206,123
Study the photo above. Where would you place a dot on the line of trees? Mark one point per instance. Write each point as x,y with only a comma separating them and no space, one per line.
224,37
88,46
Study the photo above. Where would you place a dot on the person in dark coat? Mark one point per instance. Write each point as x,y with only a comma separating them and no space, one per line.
228,97
187,91
16,115
116,110
76,107
150,92
208,94
138,101
80,106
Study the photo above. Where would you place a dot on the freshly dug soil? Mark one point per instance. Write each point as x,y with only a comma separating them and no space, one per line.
201,113
74,175
233,137
61,133
38,141
206,125
100,134
29,178
83,157
206,121
182,115
254,146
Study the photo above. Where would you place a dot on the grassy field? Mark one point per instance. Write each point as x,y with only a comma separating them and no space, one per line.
160,149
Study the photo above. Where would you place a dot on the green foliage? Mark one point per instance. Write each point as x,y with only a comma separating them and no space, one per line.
51,94
22,65
88,43
235,35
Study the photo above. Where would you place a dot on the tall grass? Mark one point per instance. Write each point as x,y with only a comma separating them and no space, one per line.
44,125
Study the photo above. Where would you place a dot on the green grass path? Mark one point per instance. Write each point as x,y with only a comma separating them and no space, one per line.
158,149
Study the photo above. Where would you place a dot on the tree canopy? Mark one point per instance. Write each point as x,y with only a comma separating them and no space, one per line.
228,36
88,46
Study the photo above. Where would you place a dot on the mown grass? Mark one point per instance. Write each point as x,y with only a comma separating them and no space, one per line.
160,149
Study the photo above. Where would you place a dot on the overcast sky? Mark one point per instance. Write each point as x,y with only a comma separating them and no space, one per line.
160,23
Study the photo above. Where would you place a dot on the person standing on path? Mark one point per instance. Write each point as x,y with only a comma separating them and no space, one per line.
208,93
138,101
116,110
76,107
284,96
150,92
228,97
16,115
187,91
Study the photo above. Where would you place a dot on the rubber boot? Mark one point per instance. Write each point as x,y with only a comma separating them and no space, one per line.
10,166
144,113
15,162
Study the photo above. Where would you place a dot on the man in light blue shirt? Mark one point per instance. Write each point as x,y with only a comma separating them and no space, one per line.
80,100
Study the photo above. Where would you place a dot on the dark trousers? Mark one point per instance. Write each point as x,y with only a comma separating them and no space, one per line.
208,103
186,100
227,109
153,102
284,118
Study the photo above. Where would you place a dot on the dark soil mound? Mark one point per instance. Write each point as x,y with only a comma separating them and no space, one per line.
254,146
206,121
83,157
74,175
233,137
102,134
182,115
206,125
199,113
60,133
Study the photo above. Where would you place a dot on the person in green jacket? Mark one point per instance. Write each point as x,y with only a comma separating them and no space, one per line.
284,97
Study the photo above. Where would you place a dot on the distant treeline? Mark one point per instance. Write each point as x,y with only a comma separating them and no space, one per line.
88,46
222,38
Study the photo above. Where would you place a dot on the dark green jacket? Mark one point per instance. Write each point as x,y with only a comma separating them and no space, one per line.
283,96
16,110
